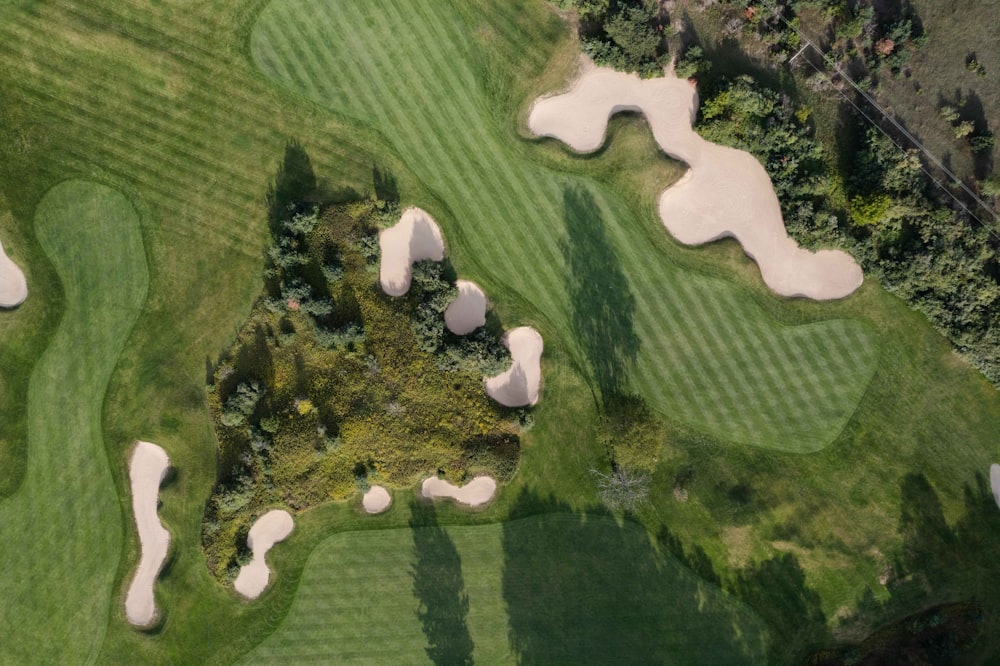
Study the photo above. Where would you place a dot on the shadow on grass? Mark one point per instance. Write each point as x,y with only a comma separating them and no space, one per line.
602,302
439,588
949,573
584,589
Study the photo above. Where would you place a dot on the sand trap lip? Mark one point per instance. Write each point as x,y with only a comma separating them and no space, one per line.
519,386
475,493
269,529
13,285
415,237
376,500
468,311
147,469
995,482
725,193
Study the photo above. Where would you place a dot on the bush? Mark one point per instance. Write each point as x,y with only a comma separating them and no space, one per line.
241,403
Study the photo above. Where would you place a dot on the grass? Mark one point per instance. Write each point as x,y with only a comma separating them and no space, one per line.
61,529
163,102
696,347
566,589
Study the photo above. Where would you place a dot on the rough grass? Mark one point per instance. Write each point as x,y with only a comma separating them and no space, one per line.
695,347
556,588
163,102
62,531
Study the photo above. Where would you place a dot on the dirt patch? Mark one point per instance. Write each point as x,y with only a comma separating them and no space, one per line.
725,193
376,500
477,492
269,529
415,237
520,385
147,469
13,286
467,312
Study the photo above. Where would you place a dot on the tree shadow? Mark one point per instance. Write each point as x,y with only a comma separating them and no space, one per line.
294,189
776,588
386,187
972,109
950,573
582,588
440,589
602,301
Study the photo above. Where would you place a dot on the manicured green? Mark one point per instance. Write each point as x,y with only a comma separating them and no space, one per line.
164,102
697,348
556,588
61,530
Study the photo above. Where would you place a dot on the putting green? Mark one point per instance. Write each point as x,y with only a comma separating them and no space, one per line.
62,531
554,588
567,250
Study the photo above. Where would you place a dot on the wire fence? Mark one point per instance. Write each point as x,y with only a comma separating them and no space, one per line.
829,62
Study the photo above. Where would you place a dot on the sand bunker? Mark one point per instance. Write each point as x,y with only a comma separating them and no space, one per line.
518,387
467,312
147,469
995,482
376,500
725,192
478,491
13,286
414,238
272,527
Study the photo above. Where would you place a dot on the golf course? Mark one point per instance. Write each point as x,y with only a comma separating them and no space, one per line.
196,193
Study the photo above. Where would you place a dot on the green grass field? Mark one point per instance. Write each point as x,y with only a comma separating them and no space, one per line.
697,348
185,107
62,531
556,588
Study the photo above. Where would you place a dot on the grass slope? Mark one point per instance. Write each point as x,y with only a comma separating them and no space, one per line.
557,588
697,347
61,531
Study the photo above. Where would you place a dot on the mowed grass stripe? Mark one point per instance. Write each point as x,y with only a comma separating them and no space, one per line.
431,153
503,205
62,529
149,177
343,615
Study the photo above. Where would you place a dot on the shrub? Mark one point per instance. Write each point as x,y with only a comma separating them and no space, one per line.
622,489
241,403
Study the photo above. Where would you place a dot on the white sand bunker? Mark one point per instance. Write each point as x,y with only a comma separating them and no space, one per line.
519,386
272,527
13,286
995,482
415,237
468,311
147,469
376,500
476,492
725,192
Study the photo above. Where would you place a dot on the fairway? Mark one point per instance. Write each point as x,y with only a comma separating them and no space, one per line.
564,249
557,588
61,531
138,143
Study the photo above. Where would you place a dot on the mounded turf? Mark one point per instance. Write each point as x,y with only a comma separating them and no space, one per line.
61,531
552,589
697,348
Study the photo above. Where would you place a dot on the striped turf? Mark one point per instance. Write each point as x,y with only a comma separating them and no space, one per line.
708,356
551,589
61,533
